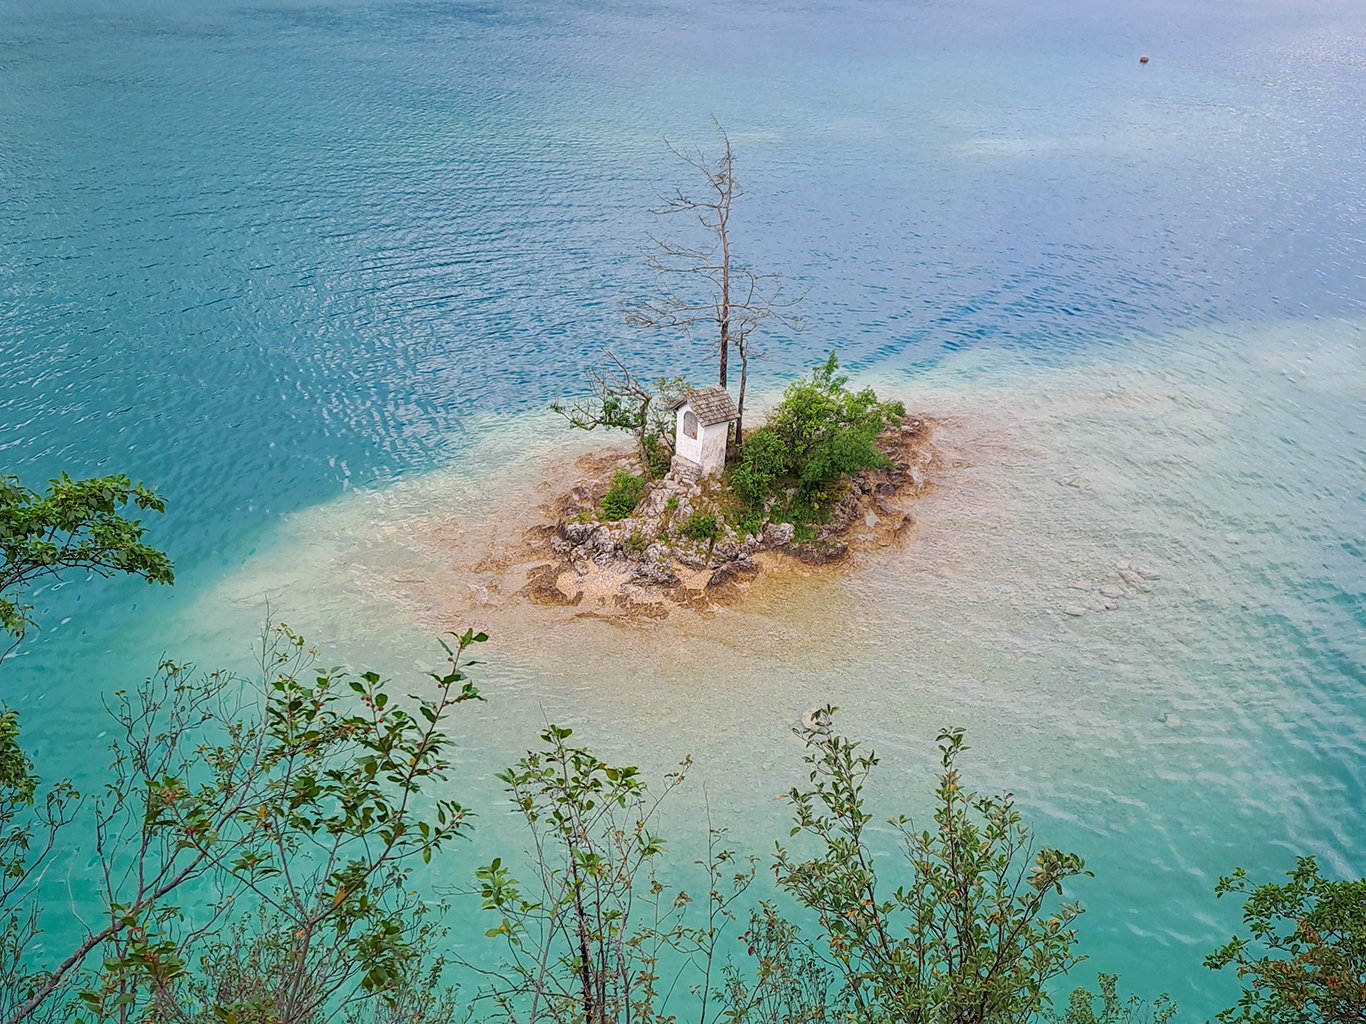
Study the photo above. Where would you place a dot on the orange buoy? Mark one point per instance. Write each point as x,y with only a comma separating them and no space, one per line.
1143,60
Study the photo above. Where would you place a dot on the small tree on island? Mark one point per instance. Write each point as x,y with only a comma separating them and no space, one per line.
619,400
703,287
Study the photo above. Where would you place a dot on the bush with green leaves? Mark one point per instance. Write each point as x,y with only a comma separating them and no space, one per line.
819,432
1106,1007
585,939
790,983
659,453
827,430
762,462
970,934
254,849
77,525
619,400
701,526
623,496
1305,959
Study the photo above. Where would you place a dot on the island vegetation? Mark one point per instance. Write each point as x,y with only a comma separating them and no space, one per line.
831,469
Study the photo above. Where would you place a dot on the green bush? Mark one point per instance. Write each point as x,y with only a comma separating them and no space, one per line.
1304,961
623,496
747,521
701,526
658,456
637,543
820,431
763,459
827,430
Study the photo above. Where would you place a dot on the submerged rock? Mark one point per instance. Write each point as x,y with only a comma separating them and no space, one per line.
819,554
543,586
730,574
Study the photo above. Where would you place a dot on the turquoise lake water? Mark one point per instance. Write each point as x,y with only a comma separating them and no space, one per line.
316,269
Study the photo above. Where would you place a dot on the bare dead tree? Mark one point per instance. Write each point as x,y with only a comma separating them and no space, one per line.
703,288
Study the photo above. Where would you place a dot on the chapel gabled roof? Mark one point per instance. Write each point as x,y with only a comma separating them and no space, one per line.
711,405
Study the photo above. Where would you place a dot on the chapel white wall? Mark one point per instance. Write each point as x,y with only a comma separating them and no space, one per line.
712,442
689,448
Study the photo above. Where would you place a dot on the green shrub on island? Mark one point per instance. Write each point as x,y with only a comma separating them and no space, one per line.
623,496
794,464
762,462
827,430
659,454
701,526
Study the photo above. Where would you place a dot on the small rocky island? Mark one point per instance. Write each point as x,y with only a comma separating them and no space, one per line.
690,539
685,519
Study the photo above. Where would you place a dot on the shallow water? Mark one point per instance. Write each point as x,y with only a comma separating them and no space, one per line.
313,268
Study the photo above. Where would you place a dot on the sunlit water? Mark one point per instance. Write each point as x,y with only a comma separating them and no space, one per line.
316,269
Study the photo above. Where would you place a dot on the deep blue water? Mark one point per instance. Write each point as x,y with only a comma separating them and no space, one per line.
260,253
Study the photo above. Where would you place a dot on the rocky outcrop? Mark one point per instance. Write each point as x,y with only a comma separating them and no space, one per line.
733,572
777,535
655,574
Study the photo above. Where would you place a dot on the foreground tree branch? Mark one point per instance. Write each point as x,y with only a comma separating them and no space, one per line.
585,939
77,524
302,804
